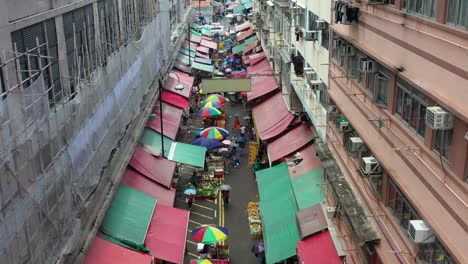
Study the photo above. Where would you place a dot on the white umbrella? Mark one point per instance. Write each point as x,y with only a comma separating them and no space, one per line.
226,142
225,187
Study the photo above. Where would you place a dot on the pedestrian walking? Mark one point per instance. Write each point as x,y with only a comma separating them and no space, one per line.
242,130
225,196
189,199
233,152
236,123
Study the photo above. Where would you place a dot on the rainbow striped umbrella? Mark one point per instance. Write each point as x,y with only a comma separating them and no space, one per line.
208,111
213,104
209,234
217,98
201,261
215,132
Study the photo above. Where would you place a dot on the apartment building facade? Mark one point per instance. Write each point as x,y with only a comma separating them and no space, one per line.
384,66
77,80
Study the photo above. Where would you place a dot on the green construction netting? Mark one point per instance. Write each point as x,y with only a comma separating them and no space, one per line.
238,9
128,217
278,211
250,40
238,48
151,142
309,189
187,154
202,67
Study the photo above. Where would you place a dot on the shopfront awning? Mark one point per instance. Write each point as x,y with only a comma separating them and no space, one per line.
183,67
195,38
290,142
150,140
251,39
187,52
238,49
309,162
175,99
250,46
248,5
202,67
263,81
159,170
191,45
243,26
139,182
128,217
271,116
203,55
104,252
203,49
187,154
311,220
245,34
183,58
238,9
206,31
318,249
209,44
185,80
257,57
309,188
167,234
207,38
278,212
203,60
171,120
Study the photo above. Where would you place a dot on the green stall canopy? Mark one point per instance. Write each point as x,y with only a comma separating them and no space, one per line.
150,140
187,154
308,188
128,217
238,9
250,40
238,48
202,67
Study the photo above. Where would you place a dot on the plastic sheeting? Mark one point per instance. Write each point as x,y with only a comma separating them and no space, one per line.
139,182
160,170
167,234
271,116
104,252
290,142
318,249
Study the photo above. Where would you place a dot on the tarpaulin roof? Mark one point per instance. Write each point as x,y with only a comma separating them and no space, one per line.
209,44
102,251
160,169
183,67
271,116
290,142
139,182
242,26
203,60
187,154
175,99
251,46
167,234
245,34
311,220
129,215
251,39
264,83
254,58
309,189
171,120
309,162
150,140
278,212
203,55
318,249
185,80
203,49
202,67
238,49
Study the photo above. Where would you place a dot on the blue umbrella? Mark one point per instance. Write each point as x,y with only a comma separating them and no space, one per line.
208,143
241,139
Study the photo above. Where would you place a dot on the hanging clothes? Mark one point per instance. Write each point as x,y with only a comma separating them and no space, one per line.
345,14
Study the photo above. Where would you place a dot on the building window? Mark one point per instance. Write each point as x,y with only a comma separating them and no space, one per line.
311,21
79,29
435,253
443,143
458,13
26,41
411,107
422,7
325,37
376,182
378,84
400,206
353,66
109,27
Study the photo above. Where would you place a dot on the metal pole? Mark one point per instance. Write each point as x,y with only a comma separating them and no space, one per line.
161,117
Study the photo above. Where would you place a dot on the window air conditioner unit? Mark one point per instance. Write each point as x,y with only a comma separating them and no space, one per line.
311,35
320,25
331,212
366,65
348,50
343,126
355,143
438,118
316,85
371,165
420,232
296,11
310,74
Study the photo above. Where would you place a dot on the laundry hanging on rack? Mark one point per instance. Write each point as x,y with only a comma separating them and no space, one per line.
345,13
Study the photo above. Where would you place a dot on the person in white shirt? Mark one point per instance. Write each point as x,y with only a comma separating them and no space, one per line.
242,130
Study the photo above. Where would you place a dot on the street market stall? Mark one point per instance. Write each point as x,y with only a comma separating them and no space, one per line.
255,223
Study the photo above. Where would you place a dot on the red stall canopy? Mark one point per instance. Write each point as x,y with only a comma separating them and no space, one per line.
139,182
310,162
175,99
246,34
209,44
185,79
203,49
271,117
199,54
263,84
242,27
290,142
181,66
160,170
251,46
167,234
318,249
171,120
102,251
257,57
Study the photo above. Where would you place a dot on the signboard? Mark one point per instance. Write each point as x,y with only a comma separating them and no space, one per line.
226,85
